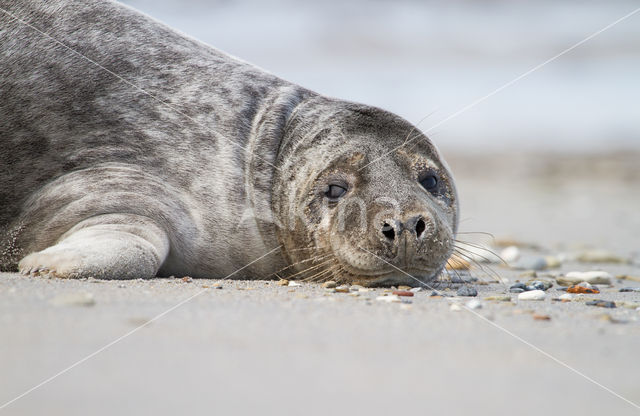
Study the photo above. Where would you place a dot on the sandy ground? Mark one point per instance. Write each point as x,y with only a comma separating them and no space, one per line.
256,347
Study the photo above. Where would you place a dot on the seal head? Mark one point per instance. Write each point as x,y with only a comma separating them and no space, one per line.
357,206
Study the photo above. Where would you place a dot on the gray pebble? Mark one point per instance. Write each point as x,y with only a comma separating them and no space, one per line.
516,290
530,263
601,303
467,291
630,289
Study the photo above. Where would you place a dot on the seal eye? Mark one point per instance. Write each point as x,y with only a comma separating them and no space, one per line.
429,182
335,192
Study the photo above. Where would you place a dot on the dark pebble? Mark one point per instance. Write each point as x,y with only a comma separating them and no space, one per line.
518,285
467,291
630,289
601,303
516,290
537,285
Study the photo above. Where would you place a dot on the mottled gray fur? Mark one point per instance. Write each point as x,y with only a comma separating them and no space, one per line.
128,150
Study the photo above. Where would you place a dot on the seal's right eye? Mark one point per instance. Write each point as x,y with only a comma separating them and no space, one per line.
335,192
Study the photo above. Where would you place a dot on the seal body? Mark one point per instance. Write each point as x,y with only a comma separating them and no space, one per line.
130,150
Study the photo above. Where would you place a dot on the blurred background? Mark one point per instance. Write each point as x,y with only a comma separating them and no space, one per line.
552,158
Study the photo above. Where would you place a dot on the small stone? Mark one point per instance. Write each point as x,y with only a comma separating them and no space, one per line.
402,293
329,284
365,289
330,290
467,291
532,295
355,288
389,298
538,285
403,287
630,289
516,290
474,304
553,262
293,284
566,296
510,254
582,289
540,317
594,277
342,289
457,263
627,277
528,273
416,289
283,282
74,299
599,256
628,305
498,298
601,303
530,263
187,279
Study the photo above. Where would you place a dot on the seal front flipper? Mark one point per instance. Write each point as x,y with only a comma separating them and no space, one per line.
110,246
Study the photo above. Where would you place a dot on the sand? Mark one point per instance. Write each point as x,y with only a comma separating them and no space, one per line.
256,347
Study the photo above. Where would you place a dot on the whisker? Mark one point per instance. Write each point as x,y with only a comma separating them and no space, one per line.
484,268
315,258
310,268
479,247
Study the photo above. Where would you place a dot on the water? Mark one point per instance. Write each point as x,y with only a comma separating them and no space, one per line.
419,57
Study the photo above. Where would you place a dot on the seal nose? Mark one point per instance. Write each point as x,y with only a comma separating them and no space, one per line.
392,229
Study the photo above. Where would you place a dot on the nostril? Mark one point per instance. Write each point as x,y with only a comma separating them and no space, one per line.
420,227
388,231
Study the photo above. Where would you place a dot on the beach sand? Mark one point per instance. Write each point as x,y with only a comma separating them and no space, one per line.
261,348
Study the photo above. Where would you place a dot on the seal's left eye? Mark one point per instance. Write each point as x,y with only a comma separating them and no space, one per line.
335,192
429,182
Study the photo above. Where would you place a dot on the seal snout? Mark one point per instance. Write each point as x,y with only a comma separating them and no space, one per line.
416,226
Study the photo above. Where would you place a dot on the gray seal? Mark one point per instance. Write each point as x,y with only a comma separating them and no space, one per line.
129,150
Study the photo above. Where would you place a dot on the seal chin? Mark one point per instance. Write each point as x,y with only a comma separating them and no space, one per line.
412,278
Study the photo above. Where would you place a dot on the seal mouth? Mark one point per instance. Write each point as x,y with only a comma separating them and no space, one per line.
410,277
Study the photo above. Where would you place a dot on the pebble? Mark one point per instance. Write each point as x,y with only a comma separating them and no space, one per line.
532,295
566,296
540,317
630,289
402,293
510,254
499,298
599,256
342,289
601,303
516,289
553,262
582,289
294,284
538,285
457,263
474,304
329,284
416,289
530,263
283,282
74,299
187,279
389,298
467,291
364,289
594,277
402,287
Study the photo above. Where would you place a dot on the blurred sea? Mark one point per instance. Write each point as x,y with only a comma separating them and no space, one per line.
419,58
